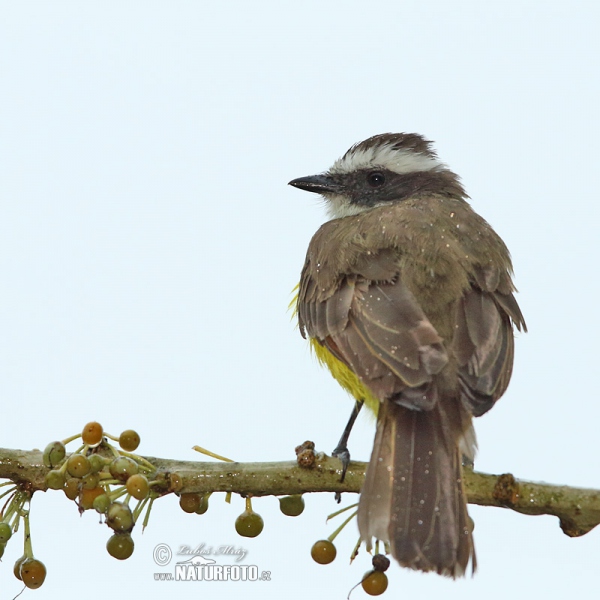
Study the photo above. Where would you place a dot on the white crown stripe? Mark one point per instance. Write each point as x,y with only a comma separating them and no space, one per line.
386,157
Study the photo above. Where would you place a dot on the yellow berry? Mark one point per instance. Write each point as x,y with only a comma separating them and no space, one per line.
71,488
323,552
92,433
17,567
33,573
374,583
78,465
87,497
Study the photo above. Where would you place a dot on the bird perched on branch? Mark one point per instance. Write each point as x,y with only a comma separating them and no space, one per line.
406,295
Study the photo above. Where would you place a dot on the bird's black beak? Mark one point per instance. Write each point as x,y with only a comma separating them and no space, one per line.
320,184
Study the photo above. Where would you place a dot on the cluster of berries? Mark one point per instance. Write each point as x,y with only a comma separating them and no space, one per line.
102,477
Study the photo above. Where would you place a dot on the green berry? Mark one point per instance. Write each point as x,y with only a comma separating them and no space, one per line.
97,463
101,503
292,506
120,546
55,480
90,481
122,468
119,517
54,454
5,533
249,524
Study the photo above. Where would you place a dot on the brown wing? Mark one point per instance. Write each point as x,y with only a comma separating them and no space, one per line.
378,329
483,342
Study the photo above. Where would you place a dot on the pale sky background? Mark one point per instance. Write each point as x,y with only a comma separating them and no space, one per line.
149,244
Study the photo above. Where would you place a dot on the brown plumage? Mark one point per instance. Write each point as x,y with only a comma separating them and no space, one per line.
412,290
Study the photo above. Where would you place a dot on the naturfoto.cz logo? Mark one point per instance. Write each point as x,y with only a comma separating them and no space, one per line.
201,568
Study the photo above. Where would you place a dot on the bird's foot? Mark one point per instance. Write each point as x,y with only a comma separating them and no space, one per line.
343,454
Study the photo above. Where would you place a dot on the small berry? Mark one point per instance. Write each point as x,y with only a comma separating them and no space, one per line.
190,502
97,463
120,546
92,434
374,582
101,503
17,567
33,573
54,454
122,468
5,532
203,505
249,524
129,440
78,465
87,497
90,481
55,480
323,552
292,506
119,517
71,488
137,486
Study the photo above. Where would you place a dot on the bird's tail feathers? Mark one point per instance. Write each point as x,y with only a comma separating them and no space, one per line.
413,498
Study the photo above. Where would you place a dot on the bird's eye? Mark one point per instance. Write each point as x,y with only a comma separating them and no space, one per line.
376,179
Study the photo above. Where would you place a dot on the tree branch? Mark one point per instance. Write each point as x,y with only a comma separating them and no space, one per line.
578,509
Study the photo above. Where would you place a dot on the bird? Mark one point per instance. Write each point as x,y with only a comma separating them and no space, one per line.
407,296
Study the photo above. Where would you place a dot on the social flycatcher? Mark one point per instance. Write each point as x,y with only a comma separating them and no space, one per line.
406,295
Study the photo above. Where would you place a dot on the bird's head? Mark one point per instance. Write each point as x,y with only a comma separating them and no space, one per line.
385,168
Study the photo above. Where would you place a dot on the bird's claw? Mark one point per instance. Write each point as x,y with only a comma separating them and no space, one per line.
344,455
